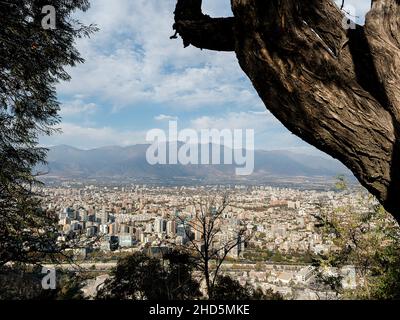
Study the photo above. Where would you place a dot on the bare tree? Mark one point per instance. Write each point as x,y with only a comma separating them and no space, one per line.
337,88
211,243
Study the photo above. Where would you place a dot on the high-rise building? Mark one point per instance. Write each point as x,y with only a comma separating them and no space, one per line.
91,217
104,229
123,228
125,240
138,234
238,249
113,229
109,243
171,228
75,225
70,213
159,225
196,227
183,231
104,217
91,231
83,215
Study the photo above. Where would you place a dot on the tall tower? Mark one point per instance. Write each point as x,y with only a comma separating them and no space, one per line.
171,228
159,225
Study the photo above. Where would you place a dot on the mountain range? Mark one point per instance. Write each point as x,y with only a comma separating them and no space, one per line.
129,163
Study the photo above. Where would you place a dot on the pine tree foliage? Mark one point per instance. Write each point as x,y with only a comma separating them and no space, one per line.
33,60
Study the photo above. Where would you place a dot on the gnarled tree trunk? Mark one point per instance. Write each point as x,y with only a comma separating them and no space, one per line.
336,88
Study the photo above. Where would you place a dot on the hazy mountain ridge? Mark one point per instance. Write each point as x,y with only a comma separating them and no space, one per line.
130,162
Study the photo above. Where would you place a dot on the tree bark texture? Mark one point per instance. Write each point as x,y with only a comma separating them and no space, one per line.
336,88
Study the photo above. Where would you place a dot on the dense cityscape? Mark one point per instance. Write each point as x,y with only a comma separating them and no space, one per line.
279,225
190,158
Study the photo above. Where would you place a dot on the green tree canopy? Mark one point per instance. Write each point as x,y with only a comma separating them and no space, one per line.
140,277
32,61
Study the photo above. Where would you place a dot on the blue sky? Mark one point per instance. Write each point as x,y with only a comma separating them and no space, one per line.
135,79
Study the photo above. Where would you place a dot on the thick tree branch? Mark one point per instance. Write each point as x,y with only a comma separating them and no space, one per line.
337,89
200,30
207,33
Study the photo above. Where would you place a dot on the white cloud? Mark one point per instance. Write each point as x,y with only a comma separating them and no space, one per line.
131,60
91,137
236,120
163,117
268,131
77,108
